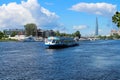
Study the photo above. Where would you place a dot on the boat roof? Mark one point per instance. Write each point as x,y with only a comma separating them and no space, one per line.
56,38
59,38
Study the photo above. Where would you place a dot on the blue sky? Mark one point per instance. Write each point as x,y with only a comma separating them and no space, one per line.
66,16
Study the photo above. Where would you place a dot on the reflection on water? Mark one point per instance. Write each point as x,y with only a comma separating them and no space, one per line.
50,51
91,60
102,62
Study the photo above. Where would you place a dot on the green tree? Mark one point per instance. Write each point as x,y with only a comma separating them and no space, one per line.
5,36
116,36
57,33
77,34
30,29
116,19
1,35
13,34
110,37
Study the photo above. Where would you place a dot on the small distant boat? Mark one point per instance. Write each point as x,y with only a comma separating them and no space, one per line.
29,39
60,42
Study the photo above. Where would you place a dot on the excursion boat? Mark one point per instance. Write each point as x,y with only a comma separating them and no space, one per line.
60,42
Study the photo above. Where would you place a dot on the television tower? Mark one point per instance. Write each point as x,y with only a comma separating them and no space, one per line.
96,29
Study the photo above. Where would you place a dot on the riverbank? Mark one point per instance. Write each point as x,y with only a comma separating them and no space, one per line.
7,40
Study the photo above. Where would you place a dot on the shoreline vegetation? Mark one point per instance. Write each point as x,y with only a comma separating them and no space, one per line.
111,37
7,40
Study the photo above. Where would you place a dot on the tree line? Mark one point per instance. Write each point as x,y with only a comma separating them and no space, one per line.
111,37
31,29
75,34
3,35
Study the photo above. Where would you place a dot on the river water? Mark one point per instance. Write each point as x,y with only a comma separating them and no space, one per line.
91,60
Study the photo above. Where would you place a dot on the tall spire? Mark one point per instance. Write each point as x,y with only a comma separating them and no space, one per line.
96,29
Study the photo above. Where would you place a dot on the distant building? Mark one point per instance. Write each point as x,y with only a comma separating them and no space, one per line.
115,32
18,37
48,33
40,33
96,29
18,31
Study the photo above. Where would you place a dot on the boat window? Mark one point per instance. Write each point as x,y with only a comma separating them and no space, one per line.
49,40
53,41
57,41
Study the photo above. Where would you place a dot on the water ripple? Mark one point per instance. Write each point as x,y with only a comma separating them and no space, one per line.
91,60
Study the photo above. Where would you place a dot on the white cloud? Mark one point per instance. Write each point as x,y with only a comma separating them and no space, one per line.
103,9
15,15
80,27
